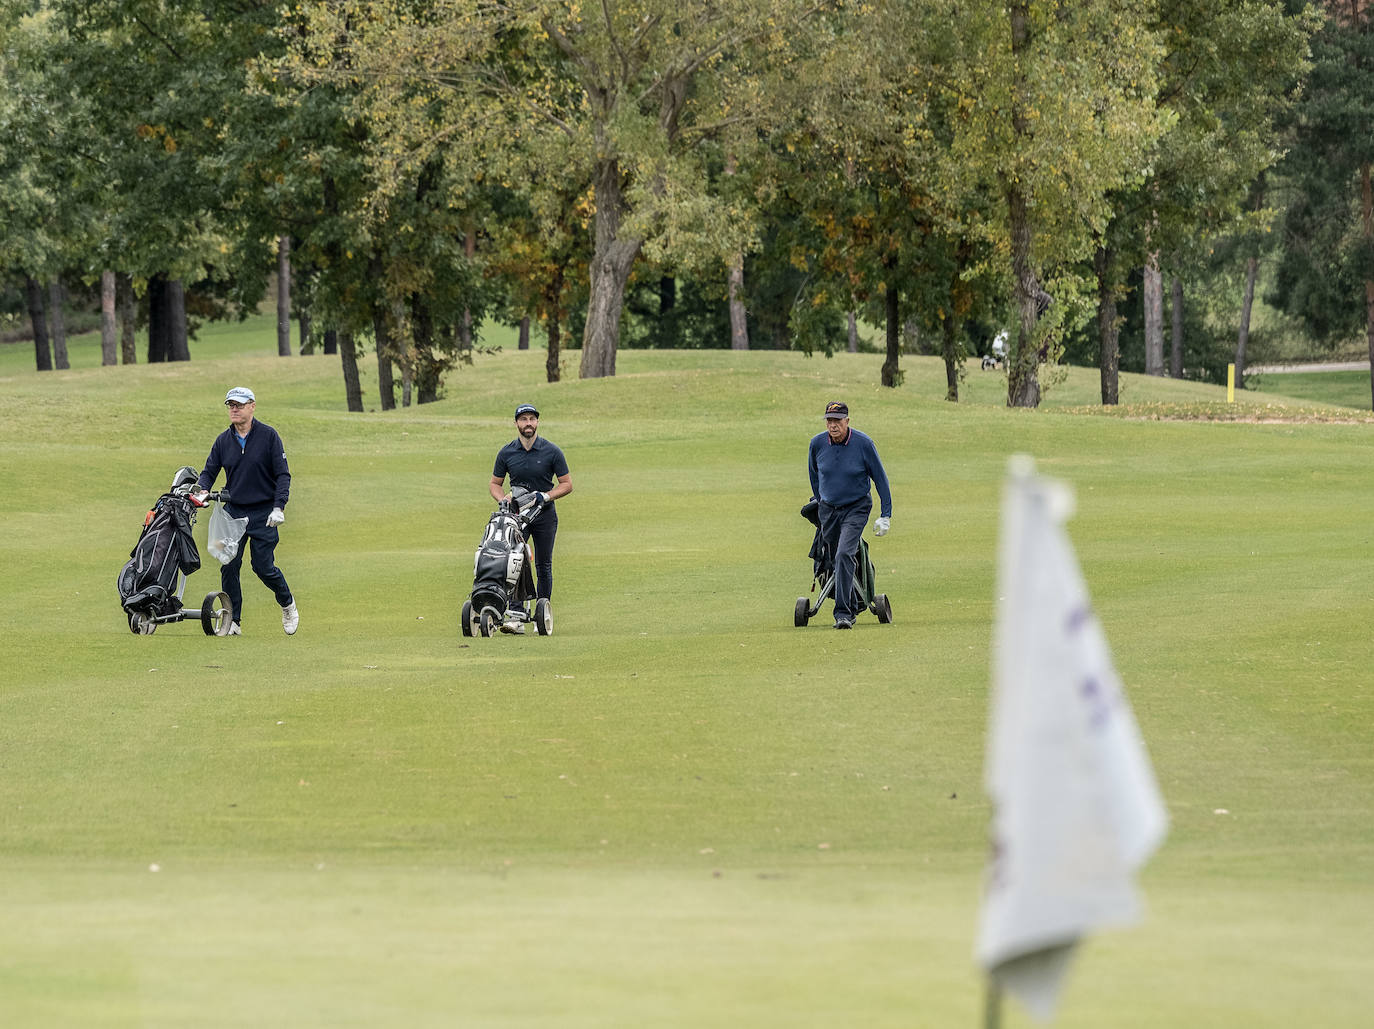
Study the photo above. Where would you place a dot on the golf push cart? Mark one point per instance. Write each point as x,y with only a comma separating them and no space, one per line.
153,581
503,597
824,577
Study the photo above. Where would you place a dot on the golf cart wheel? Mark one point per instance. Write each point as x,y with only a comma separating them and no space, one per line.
543,617
141,624
216,614
803,612
465,619
491,621
882,607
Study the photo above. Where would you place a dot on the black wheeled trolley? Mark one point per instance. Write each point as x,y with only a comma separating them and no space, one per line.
823,577
503,597
151,585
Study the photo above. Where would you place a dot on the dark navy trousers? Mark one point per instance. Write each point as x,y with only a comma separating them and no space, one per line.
842,528
261,540
541,534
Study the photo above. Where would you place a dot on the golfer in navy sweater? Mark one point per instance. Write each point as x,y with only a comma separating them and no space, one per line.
259,484
841,463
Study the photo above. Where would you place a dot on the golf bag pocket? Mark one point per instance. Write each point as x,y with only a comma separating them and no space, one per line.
498,566
224,534
165,548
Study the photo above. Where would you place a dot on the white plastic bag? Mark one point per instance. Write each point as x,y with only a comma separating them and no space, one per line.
223,534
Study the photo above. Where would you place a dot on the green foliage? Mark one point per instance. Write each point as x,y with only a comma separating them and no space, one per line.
1324,262
843,148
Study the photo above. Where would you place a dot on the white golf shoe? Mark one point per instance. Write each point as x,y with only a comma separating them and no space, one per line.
290,618
234,630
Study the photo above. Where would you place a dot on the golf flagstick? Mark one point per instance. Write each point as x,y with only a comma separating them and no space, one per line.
992,1004
1076,810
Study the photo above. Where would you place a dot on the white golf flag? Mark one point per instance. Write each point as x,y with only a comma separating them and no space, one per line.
1076,807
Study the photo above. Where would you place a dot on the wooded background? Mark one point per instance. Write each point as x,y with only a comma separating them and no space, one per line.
1161,186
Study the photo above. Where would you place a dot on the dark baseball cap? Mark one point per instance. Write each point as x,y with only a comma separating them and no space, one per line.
525,409
835,409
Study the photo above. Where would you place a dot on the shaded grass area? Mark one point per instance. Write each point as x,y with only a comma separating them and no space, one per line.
679,809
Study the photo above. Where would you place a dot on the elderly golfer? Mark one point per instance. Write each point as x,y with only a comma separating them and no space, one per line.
254,462
842,461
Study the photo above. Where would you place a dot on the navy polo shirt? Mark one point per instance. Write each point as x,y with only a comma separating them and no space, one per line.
536,469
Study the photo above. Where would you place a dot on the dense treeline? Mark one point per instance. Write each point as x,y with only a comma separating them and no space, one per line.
690,173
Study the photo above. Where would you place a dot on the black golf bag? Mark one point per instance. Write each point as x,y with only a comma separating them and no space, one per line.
823,576
502,576
153,580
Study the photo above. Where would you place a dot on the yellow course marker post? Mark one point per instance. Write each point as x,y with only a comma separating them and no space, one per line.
1230,384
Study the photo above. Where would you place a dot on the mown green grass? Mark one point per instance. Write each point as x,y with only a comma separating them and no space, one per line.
680,809
1343,388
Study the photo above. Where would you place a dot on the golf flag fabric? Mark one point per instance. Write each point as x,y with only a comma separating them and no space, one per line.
1076,807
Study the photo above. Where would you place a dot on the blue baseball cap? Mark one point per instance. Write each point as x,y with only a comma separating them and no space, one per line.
525,409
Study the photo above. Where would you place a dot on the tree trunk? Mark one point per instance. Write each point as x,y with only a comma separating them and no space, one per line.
612,260
428,367
1152,295
1248,299
524,339
42,352
465,326
1246,303
1023,363
331,341
57,323
950,352
283,296
159,343
891,374
739,320
386,388
853,333
1108,324
307,344
348,351
404,349
176,322
1176,329
1367,213
109,343
128,316
552,370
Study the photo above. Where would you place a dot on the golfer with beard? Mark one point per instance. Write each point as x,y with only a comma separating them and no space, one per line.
536,464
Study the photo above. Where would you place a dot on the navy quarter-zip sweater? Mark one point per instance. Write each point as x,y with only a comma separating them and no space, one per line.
840,471
255,473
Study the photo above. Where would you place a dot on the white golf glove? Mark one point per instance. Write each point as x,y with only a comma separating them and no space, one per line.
544,497
276,517
881,526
